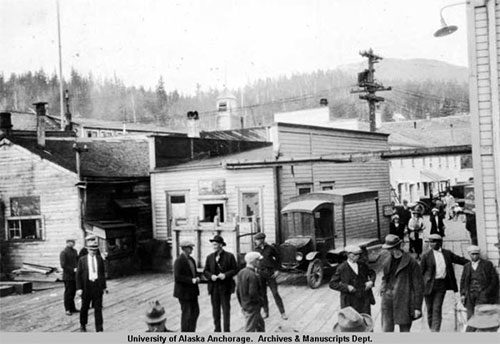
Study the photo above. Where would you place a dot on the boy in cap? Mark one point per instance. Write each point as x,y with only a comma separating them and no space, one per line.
354,280
156,317
249,293
220,268
186,287
69,261
479,282
439,276
268,270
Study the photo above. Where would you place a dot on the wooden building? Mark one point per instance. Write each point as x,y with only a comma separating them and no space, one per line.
237,194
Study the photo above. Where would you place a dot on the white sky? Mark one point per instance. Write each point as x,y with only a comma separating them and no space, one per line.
210,41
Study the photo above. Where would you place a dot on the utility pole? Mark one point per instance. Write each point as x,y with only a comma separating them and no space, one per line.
368,85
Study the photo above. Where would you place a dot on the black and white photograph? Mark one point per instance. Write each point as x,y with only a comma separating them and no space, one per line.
293,168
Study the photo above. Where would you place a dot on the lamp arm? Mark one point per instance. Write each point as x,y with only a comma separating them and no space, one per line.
451,5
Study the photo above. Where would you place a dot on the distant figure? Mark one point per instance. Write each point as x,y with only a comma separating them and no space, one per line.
349,320
268,270
396,227
470,225
479,282
156,318
439,276
186,287
485,319
220,268
402,288
69,261
415,231
91,285
437,225
404,214
354,280
449,201
250,293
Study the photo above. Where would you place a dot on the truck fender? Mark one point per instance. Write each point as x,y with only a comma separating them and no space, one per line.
311,255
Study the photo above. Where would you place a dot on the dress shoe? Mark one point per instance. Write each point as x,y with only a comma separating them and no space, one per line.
75,311
68,313
284,316
83,329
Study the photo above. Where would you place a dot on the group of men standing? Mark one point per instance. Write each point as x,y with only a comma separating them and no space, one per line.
220,269
406,283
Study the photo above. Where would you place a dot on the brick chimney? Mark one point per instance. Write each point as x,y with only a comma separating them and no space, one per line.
5,124
40,123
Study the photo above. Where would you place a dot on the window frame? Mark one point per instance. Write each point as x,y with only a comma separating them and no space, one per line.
40,230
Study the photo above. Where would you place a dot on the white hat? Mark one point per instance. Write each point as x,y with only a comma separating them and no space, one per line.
473,249
252,256
352,249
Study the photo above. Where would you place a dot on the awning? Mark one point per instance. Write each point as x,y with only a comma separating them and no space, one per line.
429,176
128,203
304,206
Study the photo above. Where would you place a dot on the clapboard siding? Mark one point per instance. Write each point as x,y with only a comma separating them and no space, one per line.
26,174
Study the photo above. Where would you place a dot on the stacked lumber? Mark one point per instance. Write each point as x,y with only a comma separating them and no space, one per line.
36,273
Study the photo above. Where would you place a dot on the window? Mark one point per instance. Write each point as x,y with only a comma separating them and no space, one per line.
177,209
402,164
25,221
465,161
447,162
326,186
304,188
222,106
210,211
92,133
439,162
412,162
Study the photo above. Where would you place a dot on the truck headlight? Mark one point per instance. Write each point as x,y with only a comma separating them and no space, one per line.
299,256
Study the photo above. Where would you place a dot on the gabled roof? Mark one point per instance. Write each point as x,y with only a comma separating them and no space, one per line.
247,134
26,121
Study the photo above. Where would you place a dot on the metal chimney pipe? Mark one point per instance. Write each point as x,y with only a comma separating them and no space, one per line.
5,124
40,122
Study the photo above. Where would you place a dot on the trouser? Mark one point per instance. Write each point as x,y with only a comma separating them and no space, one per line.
69,295
387,309
254,321
93,293
470,304
221,299
434,304
189,314
270,281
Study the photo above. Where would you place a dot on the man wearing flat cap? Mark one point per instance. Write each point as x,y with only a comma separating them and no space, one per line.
354,280
401,289
268,270
249,293
479,282
186,286
69,261
156,317
220,268
439,276
91,285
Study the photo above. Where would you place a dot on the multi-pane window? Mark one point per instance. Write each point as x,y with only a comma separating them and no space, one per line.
25,221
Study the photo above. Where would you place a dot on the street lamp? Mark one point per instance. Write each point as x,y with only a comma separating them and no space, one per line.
446,29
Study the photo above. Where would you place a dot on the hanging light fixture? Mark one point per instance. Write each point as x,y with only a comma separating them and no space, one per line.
446,29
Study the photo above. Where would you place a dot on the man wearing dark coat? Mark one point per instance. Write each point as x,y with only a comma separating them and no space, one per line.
479,282
439,276
69,261
437,225
91,285
404,214
402,288
249,293
354,280
186,287
220,268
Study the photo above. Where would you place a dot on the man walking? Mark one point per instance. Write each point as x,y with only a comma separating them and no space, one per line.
437,225
404,214
439,276
354,280
186,287
90,285
69,261
220,268
479,282
268,270
402,288
249,293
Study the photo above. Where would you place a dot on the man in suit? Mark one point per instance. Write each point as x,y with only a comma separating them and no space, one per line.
479,282
220,268
186,287
69,261
249,293
354,280
404,214
439,276
437,225
91,285
268,270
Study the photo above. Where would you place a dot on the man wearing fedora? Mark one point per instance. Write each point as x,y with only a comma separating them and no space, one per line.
156,317
437,225
401,289
90,285
354,280
220,268
479,282
69,261
349,320
486,318
268,270
439,276
249,293
186,289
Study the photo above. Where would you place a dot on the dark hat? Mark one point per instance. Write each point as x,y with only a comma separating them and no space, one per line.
391,241
260,236
155,313
485,316
352,321
92,245
218,239
70,240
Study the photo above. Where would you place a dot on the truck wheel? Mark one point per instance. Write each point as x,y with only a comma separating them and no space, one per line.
314,274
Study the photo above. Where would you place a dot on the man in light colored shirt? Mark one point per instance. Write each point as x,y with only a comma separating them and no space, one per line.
439,276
